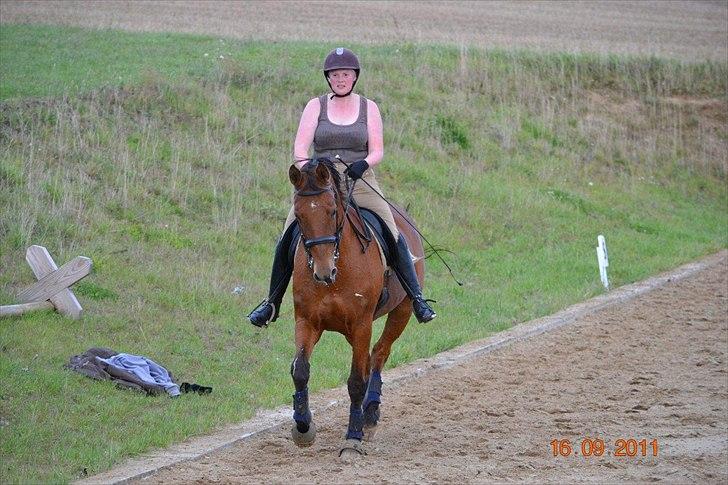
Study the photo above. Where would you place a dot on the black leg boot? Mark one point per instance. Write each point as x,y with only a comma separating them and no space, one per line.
280,275
405,270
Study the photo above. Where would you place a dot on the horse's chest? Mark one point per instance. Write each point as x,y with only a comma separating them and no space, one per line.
336,304
348,299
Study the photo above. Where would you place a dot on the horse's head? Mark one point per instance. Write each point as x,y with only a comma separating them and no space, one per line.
316,205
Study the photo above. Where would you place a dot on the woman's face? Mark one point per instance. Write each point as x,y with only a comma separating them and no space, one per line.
342,80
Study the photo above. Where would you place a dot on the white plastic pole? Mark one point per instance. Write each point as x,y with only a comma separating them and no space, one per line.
603,260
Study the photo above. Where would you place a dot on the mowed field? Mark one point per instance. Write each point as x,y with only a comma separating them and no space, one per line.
686,30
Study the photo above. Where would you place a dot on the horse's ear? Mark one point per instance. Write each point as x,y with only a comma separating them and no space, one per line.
322,175
294,174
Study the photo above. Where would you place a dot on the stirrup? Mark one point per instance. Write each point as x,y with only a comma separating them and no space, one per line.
257,314
423,312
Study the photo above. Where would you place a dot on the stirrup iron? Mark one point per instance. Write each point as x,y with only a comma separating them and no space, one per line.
259,309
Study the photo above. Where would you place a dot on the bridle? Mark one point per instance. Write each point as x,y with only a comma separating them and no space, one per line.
334,239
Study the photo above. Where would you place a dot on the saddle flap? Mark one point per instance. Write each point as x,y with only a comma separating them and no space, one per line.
379,228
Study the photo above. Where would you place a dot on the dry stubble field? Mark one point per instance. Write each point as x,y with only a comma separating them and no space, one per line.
655,368
681,29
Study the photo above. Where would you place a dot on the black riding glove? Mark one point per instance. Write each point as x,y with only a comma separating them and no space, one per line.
357,169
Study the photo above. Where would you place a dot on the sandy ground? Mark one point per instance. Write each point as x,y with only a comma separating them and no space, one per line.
655,368
686,30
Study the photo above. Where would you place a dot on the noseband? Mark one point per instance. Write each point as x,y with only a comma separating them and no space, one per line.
333,239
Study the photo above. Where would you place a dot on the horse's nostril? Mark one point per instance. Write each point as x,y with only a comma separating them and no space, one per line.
333,273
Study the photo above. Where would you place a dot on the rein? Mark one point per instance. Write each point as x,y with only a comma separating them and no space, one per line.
365,237
392,206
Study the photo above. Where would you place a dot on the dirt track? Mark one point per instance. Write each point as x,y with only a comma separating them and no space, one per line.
689,30
655,368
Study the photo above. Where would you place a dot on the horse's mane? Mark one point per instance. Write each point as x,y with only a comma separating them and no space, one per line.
310,170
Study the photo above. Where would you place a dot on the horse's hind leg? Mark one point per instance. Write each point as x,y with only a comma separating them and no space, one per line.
303,431
396,322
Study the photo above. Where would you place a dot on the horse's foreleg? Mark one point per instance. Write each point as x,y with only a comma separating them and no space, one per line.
300,371
357,387
396,322
303,431
357,383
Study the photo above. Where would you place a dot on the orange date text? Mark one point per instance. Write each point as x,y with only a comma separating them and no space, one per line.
587,447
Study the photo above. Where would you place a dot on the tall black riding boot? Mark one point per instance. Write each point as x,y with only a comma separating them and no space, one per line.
280,275
405,270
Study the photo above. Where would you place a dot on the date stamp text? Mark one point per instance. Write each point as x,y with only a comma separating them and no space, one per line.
622,447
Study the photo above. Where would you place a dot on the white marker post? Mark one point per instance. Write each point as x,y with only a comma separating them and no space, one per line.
603,260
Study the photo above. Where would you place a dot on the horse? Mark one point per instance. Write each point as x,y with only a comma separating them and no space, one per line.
337,283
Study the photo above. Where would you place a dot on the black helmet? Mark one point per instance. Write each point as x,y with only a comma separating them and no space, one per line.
341,58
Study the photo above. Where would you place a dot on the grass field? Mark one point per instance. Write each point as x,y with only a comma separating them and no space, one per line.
167,167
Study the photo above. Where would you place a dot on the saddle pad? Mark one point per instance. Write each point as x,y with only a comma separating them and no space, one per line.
379,229
380,246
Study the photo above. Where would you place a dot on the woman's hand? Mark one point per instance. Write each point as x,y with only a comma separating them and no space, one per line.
357,169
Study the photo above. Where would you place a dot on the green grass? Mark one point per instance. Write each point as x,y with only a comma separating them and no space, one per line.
173,180
47,61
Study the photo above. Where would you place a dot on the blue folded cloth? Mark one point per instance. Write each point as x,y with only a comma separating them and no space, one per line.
145,370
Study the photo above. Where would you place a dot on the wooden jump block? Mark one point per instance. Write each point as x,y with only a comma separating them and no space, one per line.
53,284
14,310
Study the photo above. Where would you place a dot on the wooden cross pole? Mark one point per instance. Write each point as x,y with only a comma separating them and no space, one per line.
53,284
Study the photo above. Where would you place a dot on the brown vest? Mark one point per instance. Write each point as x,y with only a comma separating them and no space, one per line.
350,142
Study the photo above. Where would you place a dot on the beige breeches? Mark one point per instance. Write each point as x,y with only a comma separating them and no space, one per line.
366,198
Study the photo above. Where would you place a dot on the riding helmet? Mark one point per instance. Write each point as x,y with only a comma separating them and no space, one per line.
341,58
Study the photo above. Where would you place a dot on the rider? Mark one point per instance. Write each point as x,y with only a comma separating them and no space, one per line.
343,125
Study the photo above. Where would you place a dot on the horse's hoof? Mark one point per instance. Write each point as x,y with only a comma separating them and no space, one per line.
370,432
304,439
352,450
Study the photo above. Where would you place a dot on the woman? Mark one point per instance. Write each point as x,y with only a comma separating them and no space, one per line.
347,126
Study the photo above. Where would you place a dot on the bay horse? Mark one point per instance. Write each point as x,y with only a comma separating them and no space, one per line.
336,287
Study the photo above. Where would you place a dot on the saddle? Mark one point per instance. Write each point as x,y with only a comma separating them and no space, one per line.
381,232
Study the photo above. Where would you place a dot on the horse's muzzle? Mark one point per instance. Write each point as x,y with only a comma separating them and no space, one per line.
328,279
